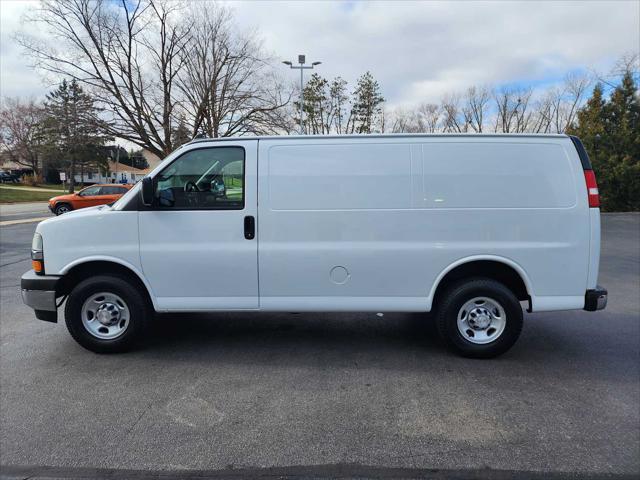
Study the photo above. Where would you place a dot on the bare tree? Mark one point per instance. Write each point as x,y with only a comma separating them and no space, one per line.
400,120
629,62
127,54
429,115
226,83
569,100
474,110
557,108
453,119
512,110
423,119
543,114
21,132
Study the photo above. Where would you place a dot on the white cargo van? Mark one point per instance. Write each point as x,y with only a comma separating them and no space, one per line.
474,227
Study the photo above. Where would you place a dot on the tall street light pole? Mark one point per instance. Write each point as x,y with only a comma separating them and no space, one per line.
302,67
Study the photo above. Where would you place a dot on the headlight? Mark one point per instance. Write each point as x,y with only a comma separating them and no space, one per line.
36,244
37,254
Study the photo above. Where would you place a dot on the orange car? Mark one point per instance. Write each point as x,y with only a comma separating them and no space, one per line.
88,197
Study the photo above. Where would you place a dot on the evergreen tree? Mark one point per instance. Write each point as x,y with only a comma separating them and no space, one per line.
317,105
137,159
324,105
610,131
592,130
367,105
591,121
339,99
73,130
622,115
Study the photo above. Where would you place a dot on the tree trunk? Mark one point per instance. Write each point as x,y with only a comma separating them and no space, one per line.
72,175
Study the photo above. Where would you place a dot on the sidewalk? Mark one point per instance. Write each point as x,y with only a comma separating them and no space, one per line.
33,189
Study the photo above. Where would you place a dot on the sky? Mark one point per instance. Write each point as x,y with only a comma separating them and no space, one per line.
418,51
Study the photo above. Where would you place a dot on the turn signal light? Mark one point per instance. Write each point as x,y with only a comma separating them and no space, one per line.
38,266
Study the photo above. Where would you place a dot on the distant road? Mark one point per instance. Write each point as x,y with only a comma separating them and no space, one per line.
14,213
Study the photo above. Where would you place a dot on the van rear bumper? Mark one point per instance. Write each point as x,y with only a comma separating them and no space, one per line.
595,299
39,293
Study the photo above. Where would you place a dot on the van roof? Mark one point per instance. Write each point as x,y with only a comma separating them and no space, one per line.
382,135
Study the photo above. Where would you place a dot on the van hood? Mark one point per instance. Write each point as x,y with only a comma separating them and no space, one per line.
74,214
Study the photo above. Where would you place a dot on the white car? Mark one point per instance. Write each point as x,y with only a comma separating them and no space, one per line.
474,227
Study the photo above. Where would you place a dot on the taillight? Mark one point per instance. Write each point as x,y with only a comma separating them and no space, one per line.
592,188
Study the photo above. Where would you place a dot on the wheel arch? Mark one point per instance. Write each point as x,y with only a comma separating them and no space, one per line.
80,269
501,269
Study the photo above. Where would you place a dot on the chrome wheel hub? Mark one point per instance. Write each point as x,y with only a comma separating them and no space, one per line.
481,320
108,314
105,315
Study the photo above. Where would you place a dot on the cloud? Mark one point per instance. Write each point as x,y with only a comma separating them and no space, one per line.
420,50
17,78
417,50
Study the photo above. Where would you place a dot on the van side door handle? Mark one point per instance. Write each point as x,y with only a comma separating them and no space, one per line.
249,227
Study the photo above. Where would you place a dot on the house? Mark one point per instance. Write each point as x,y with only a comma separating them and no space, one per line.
8,165
118,173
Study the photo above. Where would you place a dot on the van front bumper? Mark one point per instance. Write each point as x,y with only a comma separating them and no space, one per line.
595,299
39,293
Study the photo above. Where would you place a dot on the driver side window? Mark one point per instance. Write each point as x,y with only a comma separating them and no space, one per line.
203,179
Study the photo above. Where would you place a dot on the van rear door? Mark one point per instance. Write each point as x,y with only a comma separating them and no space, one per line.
197,242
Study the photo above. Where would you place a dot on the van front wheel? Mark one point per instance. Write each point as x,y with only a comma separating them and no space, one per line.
106,314
479,318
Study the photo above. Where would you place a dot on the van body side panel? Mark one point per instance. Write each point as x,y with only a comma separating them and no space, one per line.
492,174
525,201
337,226
370,224
90,234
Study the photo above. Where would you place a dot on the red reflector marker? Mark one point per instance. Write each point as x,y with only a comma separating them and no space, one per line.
592,188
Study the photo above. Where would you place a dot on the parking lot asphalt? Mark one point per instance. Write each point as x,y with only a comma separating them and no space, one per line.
242,392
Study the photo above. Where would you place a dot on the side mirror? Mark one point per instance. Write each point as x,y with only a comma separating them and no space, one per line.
147,191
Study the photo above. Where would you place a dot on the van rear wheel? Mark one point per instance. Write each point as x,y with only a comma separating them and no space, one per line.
479,318
106,314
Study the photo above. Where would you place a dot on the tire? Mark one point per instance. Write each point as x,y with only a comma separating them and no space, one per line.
62,208
479,318
107,314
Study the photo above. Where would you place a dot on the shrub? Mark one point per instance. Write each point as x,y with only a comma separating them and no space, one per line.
32,179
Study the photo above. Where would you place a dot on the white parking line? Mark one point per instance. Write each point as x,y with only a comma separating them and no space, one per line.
24,220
